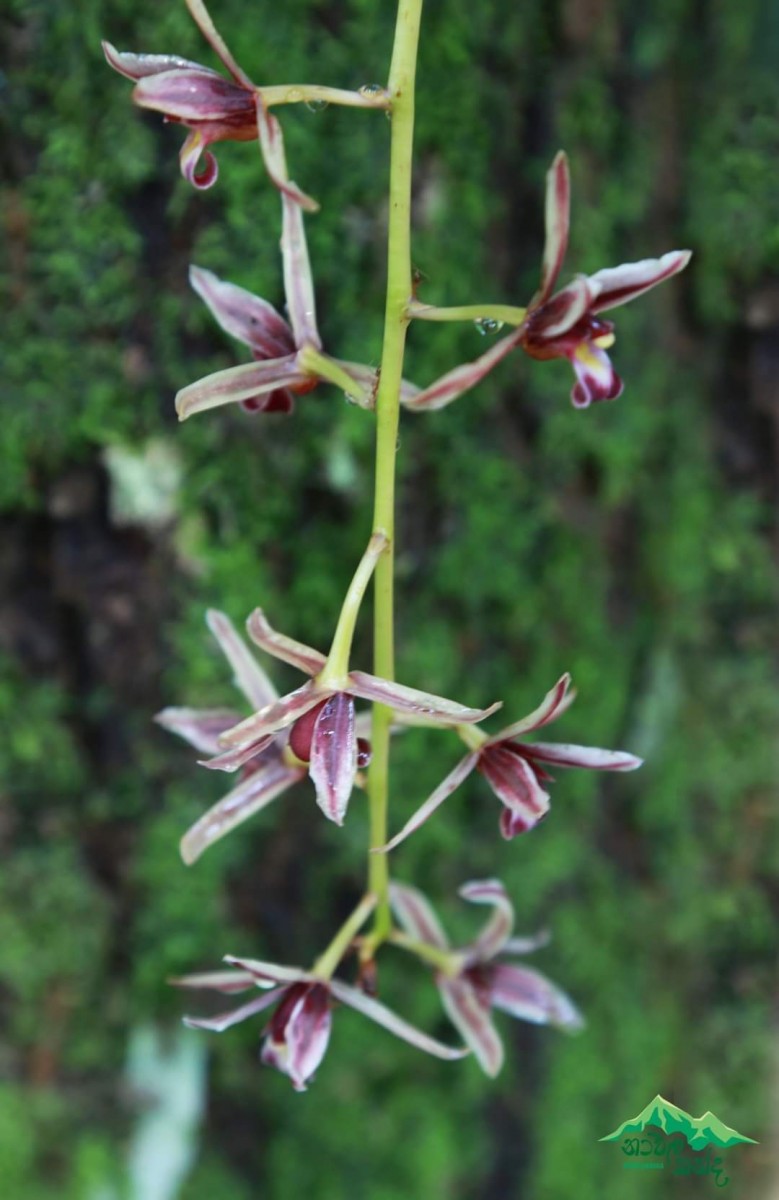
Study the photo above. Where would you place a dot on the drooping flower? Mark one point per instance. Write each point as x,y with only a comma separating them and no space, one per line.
567,323
516,769
296,1037
264,776
473,981
213,108
320,717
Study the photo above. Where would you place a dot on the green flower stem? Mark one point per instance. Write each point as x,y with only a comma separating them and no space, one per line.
446,961
504,314
306,93
401,92
327,962
316,363
474,738
336,668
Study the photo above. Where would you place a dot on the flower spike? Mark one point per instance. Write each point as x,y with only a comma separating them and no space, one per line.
513,768
475,981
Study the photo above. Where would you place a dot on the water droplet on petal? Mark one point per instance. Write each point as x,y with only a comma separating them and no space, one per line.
316,105
371,89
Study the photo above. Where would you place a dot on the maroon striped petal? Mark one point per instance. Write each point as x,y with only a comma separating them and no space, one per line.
333,763
582,756
137,66
283,647
272,149
562,311
299,1033
432,710
265,974
249,675
249,797
280,715
596,378
498,928
471,1016
619,285
530,996
298,281
237,756
557,219
459,381
553,705
195,95
202,19
514,783
217,981
239,383
226,1020
434,800
416,916
390,1020
243,315
201,727
193,149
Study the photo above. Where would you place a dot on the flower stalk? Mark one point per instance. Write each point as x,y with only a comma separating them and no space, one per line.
400,88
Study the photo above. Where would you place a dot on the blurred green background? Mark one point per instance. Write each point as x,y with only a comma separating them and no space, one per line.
632,545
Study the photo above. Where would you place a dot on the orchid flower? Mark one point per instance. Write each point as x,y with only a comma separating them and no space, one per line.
471,981
296,1037
513,768
268,773
320,717
563,324
213,108
288,358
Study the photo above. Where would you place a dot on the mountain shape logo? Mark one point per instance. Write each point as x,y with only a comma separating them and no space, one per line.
706,1130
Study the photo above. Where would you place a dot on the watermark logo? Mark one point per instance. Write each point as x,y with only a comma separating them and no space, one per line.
666,1138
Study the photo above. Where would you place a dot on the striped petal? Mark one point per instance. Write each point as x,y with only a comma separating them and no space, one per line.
298,281
557,215
416,916
459,381
582,756
196,95
280,715
244,316
267,973
498,928
237,756
390,1020
596,378
272,149
193,149
563,311
433,710
434,800
283,647
299,1033
249,675
514,783
137,66
333,763
202,19
530,996
201,727
226,1020
217,981
471,1016
619,285
249,797
554,704
239,383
